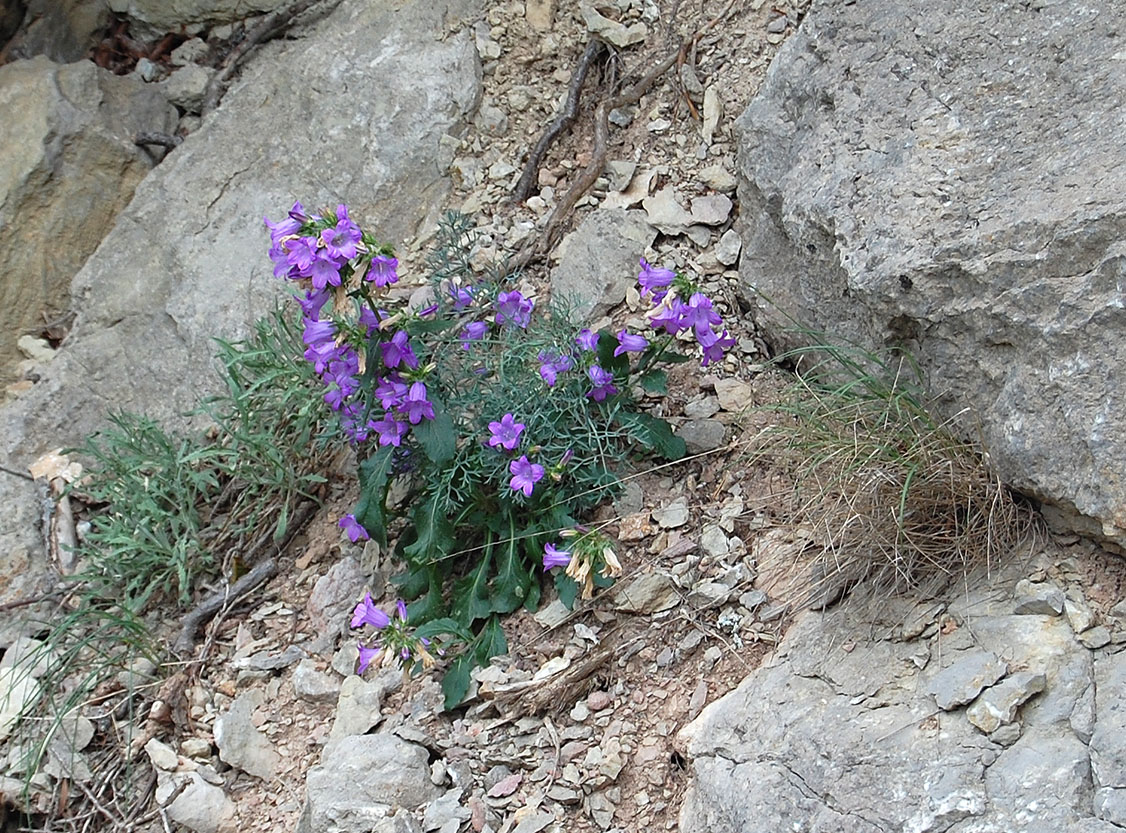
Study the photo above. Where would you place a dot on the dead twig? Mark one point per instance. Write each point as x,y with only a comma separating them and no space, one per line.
561,123
631,95
185,640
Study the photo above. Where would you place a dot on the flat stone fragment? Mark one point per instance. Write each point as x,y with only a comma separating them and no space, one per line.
1039,598
702,435
718,177
733,394
598,261
714,542
672,516
666,213
708,594
728,248
240,742
649,593
998,705
313,685
201,807
712,210
358,708
611,31
1095,638
962,681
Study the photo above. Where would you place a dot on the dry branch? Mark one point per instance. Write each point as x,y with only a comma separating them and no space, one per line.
561,123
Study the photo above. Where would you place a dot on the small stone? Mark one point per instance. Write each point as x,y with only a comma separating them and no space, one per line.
491,120
553,614
445,809
140,671
497,774
596,701
534,824
1095,638
611,31
712,655
635,527
701,408
733,394
698,699
313,685
718,177
648,593
673,515
620,173
777,25
1079,614
601,809
357,709
702,435
146,70
539,14
712,210
752,599
962,681
162,755
621,116
36,349
187,86
714,542
195,748
1038,598
708,594
712,110
728,248
1007,735
998,705
665,658
18,692
664,212
580,712
200,806
241,744
191,51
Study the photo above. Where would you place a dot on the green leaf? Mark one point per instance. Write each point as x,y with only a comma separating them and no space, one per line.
490,642
654,433
567,589
471,594
510,588
456,681
655,381
440,627
607,342
434,535
437,436
375,475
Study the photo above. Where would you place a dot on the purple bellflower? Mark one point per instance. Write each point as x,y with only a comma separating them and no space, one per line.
628,343
553,557
506,433
525,475
603,383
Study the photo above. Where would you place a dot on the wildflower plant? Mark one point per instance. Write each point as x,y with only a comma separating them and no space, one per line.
503,420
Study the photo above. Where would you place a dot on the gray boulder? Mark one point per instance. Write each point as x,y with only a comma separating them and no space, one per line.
908,179
152,18
68,169
352,112
361,780
839,731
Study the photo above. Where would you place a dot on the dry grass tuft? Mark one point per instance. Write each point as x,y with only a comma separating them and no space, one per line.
883,493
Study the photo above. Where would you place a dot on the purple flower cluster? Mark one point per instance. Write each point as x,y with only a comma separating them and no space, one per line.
322,252
552,364
514,310
393,638
317,251
673,315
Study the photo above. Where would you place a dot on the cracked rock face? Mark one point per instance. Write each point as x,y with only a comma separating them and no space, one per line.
851,738
368,94
901,185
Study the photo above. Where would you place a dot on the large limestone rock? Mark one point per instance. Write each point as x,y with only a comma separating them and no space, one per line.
864,727
950,178
153,17
354,112
69,166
